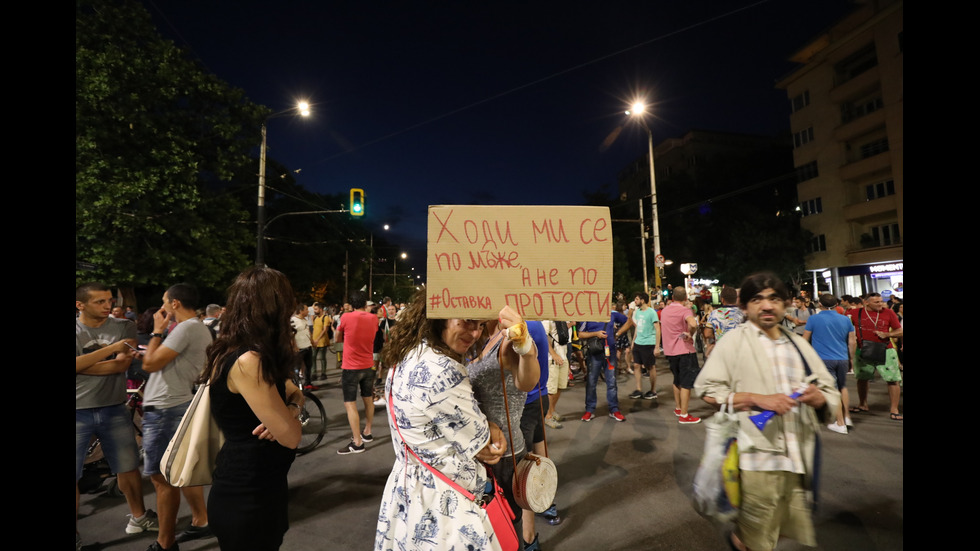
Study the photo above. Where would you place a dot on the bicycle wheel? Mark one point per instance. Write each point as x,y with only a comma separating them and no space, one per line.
313,418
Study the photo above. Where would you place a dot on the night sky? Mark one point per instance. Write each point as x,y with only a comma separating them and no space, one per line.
423,103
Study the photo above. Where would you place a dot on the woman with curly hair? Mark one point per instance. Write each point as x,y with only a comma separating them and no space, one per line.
433,414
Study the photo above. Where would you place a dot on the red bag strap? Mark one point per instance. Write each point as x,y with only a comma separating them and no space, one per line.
391,409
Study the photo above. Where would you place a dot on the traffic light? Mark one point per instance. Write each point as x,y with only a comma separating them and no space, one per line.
356,202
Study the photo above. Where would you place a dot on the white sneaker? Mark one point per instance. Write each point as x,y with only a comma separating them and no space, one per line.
848,422
380,403
839,429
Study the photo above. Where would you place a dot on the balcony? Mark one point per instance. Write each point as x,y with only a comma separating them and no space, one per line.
873,255
864,167
856,87
866,210
860,126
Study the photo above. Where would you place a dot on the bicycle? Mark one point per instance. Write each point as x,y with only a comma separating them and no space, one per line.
313,419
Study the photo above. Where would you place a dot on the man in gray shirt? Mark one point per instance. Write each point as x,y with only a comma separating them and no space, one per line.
174,366
103,353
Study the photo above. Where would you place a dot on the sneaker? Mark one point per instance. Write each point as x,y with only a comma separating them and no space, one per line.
311,387
636,395
646,372
688,420
194,533
588,416
617,416
650,395
351,447
148,523
550,515
549,512
552,423
839,429
629,370
556,417
155,546
367,437
677,412
848,422
533,546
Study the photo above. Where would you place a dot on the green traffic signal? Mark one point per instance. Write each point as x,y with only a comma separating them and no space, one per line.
357,202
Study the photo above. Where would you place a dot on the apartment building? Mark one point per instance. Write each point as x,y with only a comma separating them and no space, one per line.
847,102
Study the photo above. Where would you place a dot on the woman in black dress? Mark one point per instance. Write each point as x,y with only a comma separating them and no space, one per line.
256,405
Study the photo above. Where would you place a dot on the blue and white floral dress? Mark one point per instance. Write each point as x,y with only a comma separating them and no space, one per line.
441,421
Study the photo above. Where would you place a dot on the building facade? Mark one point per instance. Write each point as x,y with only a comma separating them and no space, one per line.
847,103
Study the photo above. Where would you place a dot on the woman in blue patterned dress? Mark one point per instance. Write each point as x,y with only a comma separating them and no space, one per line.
435,414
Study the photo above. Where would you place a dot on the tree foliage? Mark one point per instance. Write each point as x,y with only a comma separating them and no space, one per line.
162,156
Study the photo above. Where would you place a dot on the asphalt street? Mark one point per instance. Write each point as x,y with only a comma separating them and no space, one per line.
622,486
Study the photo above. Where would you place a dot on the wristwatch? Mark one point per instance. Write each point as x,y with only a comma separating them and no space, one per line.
156,335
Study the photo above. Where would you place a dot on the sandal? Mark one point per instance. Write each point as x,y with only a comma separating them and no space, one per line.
856,409
896,416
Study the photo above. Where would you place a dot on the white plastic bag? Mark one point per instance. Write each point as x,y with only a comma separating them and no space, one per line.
716,482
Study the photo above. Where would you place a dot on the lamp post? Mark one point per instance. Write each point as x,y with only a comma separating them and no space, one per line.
303,108
638,110
371,266
394,271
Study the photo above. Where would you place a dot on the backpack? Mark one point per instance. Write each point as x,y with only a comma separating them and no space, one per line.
212,329
561,328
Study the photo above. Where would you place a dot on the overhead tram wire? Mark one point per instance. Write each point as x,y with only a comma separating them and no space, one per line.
716,198
539,81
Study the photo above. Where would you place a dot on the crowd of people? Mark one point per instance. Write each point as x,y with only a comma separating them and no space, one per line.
465,399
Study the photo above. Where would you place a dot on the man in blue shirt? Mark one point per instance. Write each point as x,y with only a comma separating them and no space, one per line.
832,336
600,365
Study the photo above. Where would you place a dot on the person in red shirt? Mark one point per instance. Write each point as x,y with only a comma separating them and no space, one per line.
357,330
877,324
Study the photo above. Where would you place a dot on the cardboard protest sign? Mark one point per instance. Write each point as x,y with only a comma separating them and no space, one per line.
546,262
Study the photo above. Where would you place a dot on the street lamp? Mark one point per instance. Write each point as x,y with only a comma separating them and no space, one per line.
638,111
394,270
303,109
371,266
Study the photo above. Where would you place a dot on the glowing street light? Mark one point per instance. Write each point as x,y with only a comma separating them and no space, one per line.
638,111
303,109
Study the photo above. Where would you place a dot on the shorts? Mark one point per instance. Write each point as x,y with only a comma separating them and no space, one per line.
890,372
557,377
159,427
113,426
774,505
351,379
643,355
838,369
685,369
532,421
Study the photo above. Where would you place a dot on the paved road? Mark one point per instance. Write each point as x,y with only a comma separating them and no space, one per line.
622,486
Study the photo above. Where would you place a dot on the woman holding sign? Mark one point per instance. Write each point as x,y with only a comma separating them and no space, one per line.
504,359
434,417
